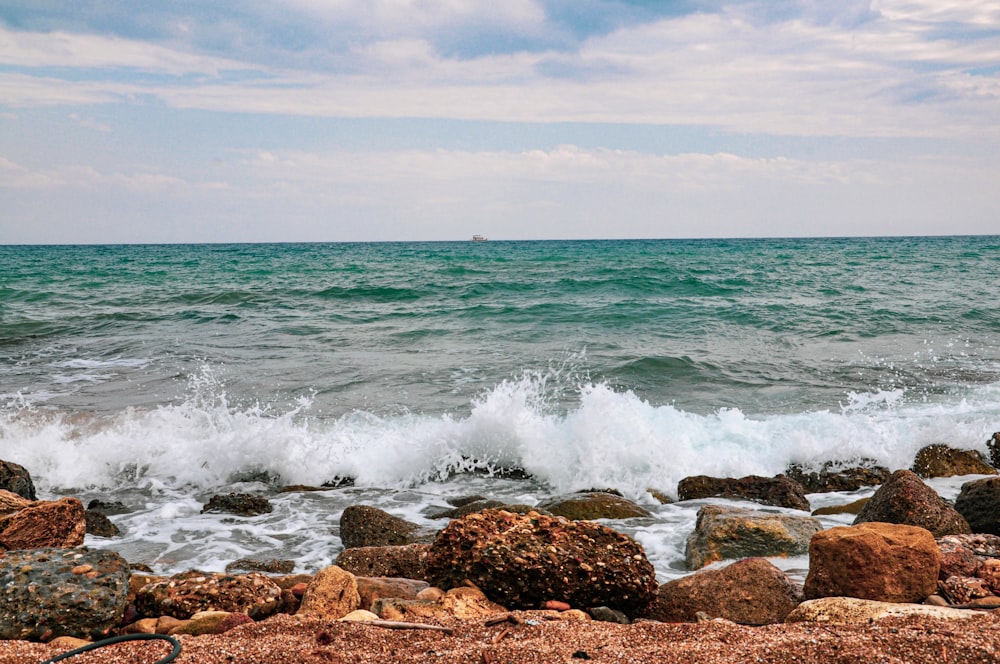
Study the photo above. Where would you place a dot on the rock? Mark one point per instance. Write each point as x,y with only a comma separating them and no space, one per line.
944,461
108,508
210,622
11,502
99,525
993,447
850,610
466,508
267,566
726,533
660,496
850,508
408,562
14,478
957,558
240,504
522,560
604,614
51,592
832,477
141,626
963,589
878,561
979,504
361,526
905,499
989,572
593,505
373,588
359,615
751,591
60,523
188,593
779,491
333,593
464,603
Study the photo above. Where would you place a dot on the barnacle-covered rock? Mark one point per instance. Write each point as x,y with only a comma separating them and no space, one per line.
363,525
240,504
522,560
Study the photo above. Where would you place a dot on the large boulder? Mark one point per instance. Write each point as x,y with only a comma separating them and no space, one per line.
333,593
363,525
878,561
850,610
521,561
750,591
51,592
14,478
943,461
409,561
779,491
835,477
905,499
979,504
240,504
727,533
60,523
188,593
593,505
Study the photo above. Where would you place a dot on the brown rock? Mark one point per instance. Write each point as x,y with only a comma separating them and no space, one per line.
979,504
780,491
141,626
877,561
408,562
465,603
989,572
963,589
373,588
848,610
957,559
751,591
16,479
728,533
850,508
99,525
11,502
593,505
944,461
905,499
188,593
60,523
522,560
206,622
365,526
333,593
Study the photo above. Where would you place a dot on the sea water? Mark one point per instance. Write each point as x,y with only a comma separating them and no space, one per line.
160,375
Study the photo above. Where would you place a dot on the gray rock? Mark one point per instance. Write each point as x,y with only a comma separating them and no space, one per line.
779,491
979,503
14,478
45,593
728,533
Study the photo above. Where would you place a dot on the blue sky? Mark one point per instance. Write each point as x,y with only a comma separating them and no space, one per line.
339,120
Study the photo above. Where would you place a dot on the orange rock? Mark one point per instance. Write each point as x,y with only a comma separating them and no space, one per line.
333,593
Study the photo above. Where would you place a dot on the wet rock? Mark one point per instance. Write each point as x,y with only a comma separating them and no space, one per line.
834,477
11,502
750,591
188,593
272,566
944,461
16,479
522,560
727,533
461,501
108,507
373,588
362,526
593,505
849,508
660,496
878,561
850,610
979,503
467,508
240,504
60,523
99,525
905,499
333,593
779,491
50,592
408,561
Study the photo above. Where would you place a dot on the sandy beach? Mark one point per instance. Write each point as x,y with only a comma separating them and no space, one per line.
285,639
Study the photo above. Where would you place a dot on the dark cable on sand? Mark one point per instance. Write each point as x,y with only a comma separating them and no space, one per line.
119,639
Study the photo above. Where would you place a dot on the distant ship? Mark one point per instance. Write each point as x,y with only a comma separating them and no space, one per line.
479,238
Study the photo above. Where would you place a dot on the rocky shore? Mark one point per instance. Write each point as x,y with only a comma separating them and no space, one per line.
914,578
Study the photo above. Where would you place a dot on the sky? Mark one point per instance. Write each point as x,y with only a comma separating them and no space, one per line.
384,120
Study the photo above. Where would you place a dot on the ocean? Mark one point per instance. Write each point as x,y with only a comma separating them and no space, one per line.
160,375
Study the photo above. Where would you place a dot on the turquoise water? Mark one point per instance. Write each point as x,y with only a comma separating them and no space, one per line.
162,373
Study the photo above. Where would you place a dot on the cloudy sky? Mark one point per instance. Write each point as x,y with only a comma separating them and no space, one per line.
334,120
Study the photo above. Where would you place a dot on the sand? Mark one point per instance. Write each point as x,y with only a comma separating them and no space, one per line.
535,641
